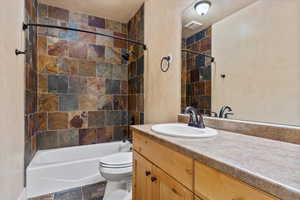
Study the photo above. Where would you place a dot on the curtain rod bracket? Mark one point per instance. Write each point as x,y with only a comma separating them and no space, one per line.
18,52
25,26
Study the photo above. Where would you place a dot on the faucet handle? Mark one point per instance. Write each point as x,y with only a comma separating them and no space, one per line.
226,115
214,114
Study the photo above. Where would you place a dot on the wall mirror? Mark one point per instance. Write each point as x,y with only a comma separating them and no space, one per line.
255,71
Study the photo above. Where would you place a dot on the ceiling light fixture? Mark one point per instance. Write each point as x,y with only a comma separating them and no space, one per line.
202,7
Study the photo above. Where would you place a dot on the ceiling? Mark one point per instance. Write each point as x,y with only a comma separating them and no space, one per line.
119,10
219,10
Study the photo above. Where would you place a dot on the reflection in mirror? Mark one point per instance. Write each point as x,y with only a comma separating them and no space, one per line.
255,72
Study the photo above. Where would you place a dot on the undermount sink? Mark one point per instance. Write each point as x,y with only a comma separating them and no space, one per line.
183,131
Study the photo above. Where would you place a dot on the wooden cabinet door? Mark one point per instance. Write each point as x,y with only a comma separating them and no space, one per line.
141,185
197,198
165,187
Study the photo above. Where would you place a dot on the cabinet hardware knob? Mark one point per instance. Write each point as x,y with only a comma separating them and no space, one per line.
174,190
148,173
153,179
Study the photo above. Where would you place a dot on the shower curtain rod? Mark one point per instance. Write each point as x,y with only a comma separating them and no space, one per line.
25,26
198,53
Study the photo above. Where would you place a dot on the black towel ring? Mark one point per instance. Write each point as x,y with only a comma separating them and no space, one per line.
166,59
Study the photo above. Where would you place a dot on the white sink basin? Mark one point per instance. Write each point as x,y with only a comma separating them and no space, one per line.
183,131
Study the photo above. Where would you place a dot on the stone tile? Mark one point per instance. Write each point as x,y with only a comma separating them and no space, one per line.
113,26
113,55
142,118
31,78
87,102
42,45
96,22
96,52
132,102
33,143
105,102
77,85
40,121
140,66
42,83
124,87
87,68
94,191
96,119
68,34
120,43
87,136
47,64
68,138
140,103
120,102
113,118
48,31
124,118
67,66
78,18
112,86
47,102
95,86
104,134
77,50
57,47
132,69
120,132
104,41
87,37
132,86
47,140
42,10
78,119
57,120
119,72
58,13
30,102
68,102
104,70
57,84
72,194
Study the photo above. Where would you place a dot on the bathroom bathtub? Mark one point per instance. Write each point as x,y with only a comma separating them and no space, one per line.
60,169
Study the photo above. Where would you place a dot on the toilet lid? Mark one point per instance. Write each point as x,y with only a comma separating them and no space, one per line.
122,159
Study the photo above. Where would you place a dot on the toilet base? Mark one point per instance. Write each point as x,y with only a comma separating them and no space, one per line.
118,190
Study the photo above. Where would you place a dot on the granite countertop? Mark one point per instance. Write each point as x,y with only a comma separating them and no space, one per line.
269,165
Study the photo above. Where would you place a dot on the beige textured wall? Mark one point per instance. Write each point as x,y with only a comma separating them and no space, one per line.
12,100
163,37
258,49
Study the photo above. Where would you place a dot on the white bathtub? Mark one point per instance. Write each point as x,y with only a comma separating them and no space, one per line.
60,169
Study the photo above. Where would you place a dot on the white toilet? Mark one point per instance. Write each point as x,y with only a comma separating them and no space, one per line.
117,170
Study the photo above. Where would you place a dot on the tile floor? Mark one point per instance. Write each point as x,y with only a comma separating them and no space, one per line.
88,192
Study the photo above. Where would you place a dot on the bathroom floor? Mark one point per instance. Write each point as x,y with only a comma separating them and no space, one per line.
88,192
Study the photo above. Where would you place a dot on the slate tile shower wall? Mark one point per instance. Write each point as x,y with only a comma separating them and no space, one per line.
136,69
31,113
82,87
196,73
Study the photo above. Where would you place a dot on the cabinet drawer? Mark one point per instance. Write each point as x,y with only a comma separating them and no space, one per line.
214,185
175,164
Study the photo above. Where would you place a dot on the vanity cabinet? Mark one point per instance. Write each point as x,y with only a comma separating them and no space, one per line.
161,173
151,183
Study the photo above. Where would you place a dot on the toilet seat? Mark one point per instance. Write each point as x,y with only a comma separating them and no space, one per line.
117,166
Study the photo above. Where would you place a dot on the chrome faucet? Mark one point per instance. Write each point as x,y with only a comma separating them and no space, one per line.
222,113
194,120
